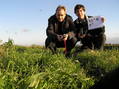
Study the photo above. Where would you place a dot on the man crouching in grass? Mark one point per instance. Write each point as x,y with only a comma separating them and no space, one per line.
60,31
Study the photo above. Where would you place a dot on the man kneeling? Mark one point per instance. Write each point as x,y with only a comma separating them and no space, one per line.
60,31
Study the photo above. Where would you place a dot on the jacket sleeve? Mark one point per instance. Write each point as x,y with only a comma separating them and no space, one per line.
50,28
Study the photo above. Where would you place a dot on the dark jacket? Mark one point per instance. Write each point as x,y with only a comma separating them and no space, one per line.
57,28
81,26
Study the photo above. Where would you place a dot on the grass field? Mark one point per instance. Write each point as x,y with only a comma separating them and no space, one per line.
35,67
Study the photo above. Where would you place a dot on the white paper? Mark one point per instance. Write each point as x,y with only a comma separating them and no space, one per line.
94,22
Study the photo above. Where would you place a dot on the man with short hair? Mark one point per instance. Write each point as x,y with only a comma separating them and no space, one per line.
60,31
91,39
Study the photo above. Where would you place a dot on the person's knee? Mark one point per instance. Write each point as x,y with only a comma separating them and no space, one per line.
102,38
100,41
49,42
74,40
46,42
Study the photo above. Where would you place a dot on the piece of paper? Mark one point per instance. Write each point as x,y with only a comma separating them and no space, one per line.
94,22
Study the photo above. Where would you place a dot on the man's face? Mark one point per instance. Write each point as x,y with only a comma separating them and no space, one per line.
80,13
60,15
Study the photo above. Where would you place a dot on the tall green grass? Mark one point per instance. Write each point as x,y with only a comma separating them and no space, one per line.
35,67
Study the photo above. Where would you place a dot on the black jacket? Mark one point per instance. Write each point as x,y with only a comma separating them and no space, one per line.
57,28
81,26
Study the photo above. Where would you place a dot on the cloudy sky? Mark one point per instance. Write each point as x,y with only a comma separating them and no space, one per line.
25,21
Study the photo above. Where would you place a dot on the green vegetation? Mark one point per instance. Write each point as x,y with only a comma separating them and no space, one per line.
35,67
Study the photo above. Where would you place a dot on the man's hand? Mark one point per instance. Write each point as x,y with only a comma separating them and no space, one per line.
103,19
88,35
65,36
60,37
81,35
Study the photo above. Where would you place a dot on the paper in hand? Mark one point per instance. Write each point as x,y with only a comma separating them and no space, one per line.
95,22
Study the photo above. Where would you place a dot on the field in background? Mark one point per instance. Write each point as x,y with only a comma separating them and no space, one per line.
35,67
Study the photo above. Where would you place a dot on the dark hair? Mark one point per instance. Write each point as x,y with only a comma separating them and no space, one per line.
78,6
60,7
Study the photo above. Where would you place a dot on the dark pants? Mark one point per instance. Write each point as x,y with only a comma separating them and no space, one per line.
95,40
99,42
53,43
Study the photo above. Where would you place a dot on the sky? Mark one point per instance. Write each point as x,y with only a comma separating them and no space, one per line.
25,21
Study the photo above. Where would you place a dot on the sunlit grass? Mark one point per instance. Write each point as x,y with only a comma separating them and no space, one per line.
36,68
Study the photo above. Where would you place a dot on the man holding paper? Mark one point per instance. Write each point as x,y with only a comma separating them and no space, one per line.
90,30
